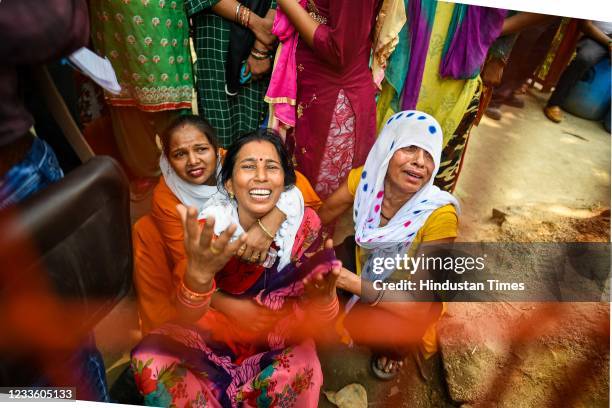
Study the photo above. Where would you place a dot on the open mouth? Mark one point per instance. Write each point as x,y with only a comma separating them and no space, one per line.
195,173
260,194
414,175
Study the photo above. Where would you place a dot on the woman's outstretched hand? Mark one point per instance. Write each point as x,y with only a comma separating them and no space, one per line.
205,255
321,288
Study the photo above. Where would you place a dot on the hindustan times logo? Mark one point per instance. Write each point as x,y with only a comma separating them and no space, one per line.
458,264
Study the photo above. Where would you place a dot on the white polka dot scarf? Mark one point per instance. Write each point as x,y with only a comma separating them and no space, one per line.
407,128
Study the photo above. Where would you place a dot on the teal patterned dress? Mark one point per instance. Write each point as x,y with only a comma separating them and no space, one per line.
147,42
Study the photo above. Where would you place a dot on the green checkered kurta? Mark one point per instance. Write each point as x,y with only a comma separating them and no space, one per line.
231,116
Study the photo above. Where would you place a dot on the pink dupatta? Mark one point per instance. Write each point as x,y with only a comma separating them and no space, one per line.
282,91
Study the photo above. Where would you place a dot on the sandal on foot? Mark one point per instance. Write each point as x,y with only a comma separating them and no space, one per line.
553,113
390,368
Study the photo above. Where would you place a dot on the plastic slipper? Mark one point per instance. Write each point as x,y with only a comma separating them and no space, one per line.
380,373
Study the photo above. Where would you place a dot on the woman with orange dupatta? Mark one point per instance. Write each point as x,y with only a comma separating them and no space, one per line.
190,163
213,362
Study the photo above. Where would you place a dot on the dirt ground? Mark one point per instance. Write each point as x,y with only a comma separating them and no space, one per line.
524,179
560,171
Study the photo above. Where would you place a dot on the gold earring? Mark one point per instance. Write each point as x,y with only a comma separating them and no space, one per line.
231,195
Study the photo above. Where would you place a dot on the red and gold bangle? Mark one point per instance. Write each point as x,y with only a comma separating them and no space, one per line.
192,305
245,16
191,296
248,19
329,311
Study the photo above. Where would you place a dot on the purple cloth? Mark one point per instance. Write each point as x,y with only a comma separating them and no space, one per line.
470,38
470,44
420,32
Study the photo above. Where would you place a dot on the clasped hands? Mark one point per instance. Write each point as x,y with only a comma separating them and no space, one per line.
264,41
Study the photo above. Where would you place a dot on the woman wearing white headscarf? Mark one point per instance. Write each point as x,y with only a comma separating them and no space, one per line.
190,163
396,208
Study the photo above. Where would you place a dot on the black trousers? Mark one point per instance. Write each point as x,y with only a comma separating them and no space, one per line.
588,53
527,53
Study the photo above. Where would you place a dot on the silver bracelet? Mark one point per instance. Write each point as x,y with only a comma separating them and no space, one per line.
379,297
237,13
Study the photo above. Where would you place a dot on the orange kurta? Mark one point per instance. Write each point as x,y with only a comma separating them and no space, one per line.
159,253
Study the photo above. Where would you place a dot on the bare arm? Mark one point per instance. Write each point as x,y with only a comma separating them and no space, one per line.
227,9
520,21
590,29
258,240
336,204
402,308
301,20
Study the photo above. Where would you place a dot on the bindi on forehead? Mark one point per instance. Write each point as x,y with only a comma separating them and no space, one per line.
260,159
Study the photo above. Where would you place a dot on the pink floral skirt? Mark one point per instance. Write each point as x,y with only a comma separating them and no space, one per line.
337,159
183,366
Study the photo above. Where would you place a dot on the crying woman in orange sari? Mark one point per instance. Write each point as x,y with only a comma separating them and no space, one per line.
205,359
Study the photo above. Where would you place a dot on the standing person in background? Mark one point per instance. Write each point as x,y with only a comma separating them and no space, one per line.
596,45
33,35
435,69
147,43
336,110
527,54
230,113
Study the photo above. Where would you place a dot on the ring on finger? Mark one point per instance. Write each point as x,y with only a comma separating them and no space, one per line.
255,256
214,250
242,249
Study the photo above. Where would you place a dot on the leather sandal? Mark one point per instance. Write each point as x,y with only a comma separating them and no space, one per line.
553,113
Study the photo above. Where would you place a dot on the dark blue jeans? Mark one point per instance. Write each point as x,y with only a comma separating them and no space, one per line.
87,373
38,169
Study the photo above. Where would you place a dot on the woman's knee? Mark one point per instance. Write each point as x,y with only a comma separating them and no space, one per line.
308,352
589,54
